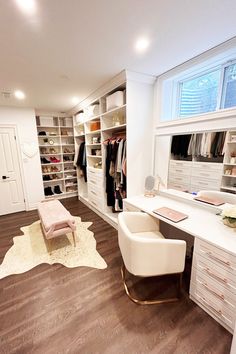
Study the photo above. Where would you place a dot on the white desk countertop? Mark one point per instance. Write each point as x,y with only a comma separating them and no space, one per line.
202,221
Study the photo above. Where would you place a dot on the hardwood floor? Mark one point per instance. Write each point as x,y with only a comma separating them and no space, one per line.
53,309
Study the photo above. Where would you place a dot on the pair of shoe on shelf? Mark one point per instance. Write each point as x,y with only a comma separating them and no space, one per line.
44,151
42,133
66,158
54,160
47,178
48,190
48,169
68,151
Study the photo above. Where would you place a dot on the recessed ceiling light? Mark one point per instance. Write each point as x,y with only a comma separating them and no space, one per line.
142,44
27,6
19,95
75,100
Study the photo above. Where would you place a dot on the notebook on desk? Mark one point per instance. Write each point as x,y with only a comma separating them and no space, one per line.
170,214
208,200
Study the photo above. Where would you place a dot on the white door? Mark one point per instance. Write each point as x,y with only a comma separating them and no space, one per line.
11,190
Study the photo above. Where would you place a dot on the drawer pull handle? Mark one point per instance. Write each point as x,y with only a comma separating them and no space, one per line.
179,170
204,174
93,182
93,202
221,296
224,280
219,312
227,263
93,192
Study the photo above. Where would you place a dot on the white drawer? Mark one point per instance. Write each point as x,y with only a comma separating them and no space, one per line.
208,174
175,178
94,179
214,254
208,166
96,202
186,171
215,272
96,190
206,284
179,186
214,306
178,163
201,183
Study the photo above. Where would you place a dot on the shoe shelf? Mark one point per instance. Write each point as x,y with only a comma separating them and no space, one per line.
54,180
55,134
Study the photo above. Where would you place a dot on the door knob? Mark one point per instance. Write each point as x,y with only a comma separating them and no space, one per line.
5,177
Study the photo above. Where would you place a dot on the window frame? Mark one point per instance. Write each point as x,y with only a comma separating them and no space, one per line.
195,76
223,90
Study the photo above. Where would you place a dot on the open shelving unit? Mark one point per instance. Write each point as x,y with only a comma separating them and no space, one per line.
56,145
93,131
228,183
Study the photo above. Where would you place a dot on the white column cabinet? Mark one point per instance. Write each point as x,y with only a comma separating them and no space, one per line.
132,117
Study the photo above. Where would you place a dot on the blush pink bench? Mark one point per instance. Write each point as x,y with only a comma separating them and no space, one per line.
55,219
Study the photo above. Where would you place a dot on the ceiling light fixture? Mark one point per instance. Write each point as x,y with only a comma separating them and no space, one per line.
19,95
75,100
27,6
142,44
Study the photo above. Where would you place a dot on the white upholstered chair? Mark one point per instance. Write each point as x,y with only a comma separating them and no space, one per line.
221,196
146,252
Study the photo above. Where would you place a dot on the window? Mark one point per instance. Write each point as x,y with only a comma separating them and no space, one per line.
207,92
229,87
205,86
199,95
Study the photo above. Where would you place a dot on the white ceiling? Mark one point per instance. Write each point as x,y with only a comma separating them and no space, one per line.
71,47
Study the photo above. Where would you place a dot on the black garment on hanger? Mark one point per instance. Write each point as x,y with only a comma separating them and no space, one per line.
81,160
179,145
109,179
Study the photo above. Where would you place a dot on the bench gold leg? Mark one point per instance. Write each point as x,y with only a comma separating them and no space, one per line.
74,236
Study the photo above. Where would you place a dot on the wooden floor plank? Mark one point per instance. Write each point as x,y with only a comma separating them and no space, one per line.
54,309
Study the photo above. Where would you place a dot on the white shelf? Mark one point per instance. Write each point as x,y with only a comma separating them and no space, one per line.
234,176
97,144
54,180
48,126
231,142
117,109
115,127
48,145
229,188
230,164
51,163
48,136
54,153
68,161
94,156
93,132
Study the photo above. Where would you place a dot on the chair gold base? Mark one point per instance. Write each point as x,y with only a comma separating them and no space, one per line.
151,302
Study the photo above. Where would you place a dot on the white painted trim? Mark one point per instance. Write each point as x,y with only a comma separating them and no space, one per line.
139,77
221,114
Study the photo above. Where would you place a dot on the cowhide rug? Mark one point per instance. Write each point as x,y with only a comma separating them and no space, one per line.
31,249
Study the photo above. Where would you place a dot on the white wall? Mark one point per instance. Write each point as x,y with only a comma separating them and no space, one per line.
25,123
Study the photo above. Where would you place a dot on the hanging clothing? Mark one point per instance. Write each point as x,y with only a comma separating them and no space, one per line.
180,144
81,160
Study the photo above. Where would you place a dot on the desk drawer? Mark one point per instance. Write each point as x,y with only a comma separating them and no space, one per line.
129,207
214,254
214,306
217,290
182,164
214,272
180,170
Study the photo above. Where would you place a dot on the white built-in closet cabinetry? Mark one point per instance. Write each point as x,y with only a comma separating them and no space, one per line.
131,117
194,176
56,146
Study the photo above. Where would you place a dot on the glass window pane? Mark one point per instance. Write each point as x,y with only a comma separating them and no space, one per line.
229,87
199,95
